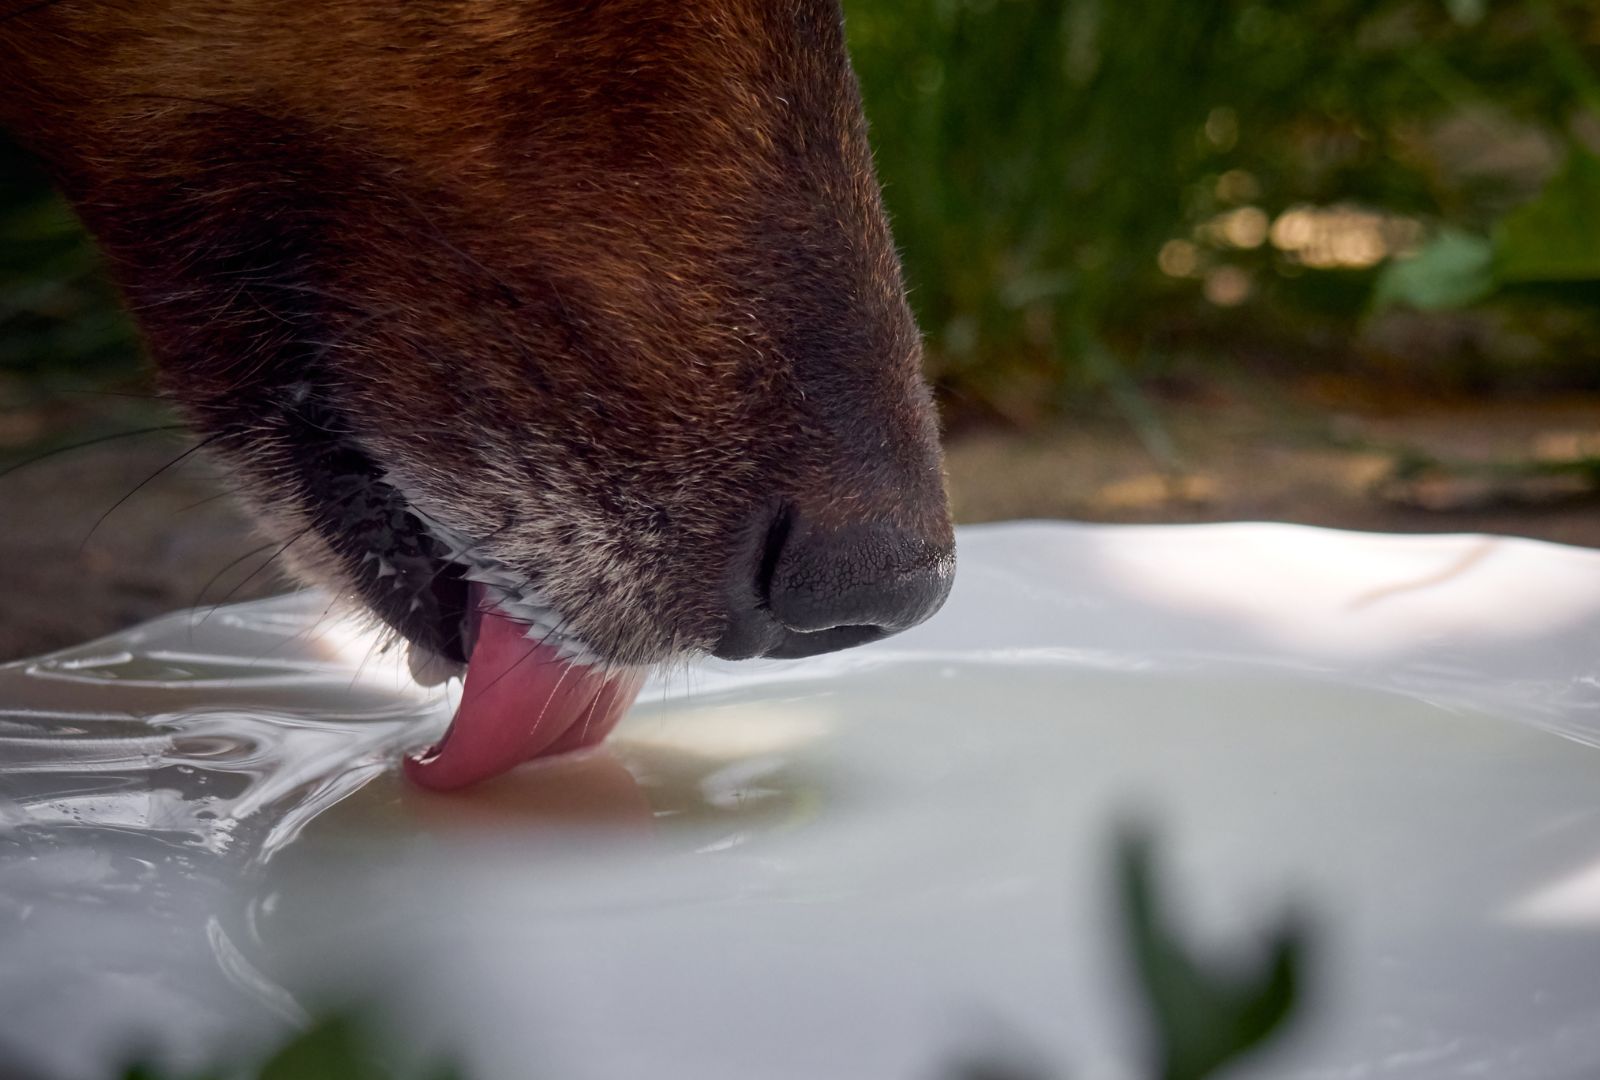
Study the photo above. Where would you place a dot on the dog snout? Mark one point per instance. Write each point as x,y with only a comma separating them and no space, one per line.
819,587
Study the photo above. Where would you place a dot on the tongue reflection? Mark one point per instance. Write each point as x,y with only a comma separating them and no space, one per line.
521,700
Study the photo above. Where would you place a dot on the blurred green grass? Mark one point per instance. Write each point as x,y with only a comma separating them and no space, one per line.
1090,193
1094,196
59,316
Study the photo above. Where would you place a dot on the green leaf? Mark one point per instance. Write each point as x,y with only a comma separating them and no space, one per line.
1455,269
334,1048
1556,237
148,1072
1204,1017
337,1046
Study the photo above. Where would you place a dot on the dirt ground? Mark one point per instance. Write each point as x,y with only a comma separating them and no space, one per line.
70,571
1516,468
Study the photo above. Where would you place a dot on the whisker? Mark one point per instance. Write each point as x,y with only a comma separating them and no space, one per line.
202,502
201,445
86,443
380,644
305,632
218,575
256,572
108,393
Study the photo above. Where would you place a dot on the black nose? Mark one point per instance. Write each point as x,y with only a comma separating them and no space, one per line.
819,588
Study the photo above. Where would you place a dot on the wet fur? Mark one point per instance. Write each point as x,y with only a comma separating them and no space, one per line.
601,285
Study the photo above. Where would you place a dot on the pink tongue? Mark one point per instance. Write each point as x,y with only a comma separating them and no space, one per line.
521,700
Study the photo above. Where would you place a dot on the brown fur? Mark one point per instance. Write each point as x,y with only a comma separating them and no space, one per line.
591,282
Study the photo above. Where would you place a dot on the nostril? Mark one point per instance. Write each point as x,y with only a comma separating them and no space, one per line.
750,629
772,551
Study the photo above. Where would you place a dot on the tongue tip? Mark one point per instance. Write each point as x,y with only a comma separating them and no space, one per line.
425,771
418,768
455,763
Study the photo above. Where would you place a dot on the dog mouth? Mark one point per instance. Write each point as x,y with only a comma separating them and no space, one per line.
530,689
525,695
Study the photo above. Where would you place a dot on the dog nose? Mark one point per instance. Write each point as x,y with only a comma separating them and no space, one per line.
823,588
874,577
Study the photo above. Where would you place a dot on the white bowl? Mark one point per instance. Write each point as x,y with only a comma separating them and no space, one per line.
856,867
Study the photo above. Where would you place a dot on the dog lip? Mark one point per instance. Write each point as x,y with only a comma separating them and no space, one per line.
511,593
766,638
410,569
797,645
390,558
749,637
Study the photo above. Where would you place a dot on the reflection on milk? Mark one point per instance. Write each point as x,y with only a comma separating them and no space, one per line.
828,868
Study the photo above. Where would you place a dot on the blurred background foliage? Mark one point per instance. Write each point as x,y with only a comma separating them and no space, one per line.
59,318
1091,194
